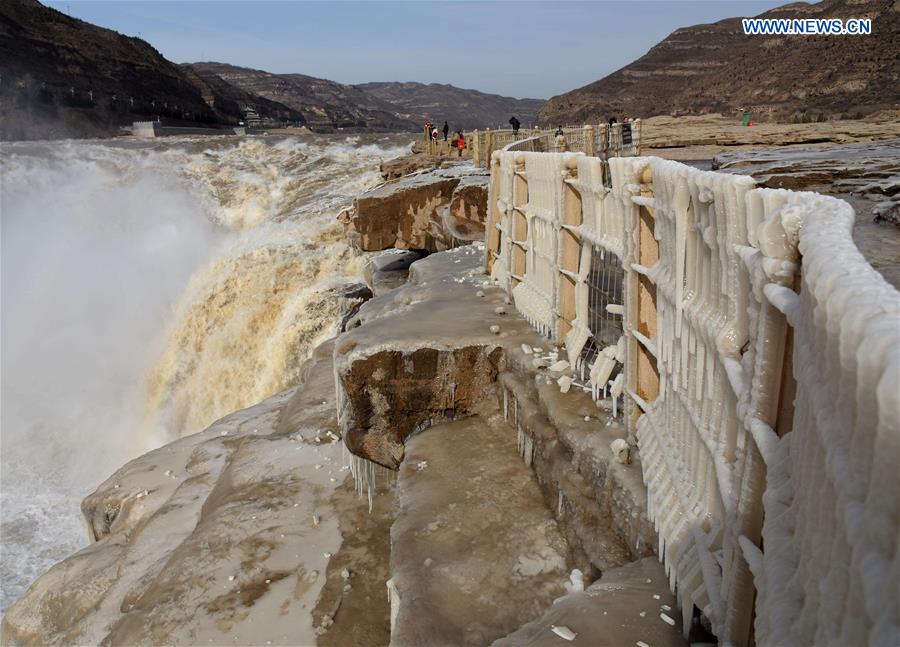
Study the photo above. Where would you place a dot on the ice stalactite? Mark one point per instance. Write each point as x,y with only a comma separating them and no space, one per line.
365,474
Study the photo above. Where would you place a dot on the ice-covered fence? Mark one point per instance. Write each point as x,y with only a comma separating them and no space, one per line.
703,471
556,243
829,572
737,303
599,141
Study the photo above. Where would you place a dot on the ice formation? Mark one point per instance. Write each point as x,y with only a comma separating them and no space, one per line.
743,276
529,193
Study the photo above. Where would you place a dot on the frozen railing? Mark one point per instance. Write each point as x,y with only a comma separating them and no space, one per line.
758,362
618,140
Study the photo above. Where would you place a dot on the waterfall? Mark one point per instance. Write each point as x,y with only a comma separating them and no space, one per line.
149,288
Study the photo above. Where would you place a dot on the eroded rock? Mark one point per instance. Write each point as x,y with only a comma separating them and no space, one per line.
430,211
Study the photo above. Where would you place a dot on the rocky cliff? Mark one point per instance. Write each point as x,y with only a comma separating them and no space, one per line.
323,103
716,68
463,109
63,77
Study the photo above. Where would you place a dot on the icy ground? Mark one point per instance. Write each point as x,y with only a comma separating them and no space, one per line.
865,174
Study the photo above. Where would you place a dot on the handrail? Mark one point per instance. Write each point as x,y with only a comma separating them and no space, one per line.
755,359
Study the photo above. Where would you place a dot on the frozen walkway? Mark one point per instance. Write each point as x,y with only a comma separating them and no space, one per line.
629,605
475,553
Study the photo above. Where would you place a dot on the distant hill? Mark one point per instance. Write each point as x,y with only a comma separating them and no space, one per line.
323,103
63,77
465,109
233,101
716,68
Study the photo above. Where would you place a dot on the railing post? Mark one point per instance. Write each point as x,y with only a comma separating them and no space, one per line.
519,225
488,143
569,252
492,226
589,140
636,136
615,140
601,150
475,152
643,374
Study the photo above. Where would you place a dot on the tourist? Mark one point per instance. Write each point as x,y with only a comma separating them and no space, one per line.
446,130
434,134
559,131
460,142
515,125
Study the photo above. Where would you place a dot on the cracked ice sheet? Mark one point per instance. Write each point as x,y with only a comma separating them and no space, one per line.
214,541
475,552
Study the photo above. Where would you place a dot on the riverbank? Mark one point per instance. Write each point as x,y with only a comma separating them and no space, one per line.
510,481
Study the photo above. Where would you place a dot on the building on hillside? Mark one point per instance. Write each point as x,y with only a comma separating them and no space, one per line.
251,117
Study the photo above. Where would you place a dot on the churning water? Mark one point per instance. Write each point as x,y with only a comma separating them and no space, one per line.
149,288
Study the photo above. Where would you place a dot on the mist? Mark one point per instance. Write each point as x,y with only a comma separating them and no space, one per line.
96,249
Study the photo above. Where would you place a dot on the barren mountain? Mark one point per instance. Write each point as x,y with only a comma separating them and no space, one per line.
323,103
716,68
465,109
63,77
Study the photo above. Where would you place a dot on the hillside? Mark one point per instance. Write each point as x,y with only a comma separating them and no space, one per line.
716,68
466,109
63,77
232,100
323,103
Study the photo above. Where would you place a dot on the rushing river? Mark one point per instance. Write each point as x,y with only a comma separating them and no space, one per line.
148,288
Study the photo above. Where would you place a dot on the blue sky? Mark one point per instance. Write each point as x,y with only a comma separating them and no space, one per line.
520,49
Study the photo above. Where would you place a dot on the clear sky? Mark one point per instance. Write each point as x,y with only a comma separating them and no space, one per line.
520,49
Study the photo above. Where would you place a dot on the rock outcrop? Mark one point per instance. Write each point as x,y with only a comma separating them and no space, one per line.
416,161
431,211
408,362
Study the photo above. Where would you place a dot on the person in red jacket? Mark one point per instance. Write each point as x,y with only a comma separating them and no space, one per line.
460,142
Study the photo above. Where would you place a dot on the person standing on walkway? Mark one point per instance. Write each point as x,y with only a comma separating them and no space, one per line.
460,142
515,125
446,130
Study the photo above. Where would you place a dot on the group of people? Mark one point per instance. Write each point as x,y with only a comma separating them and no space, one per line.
459,142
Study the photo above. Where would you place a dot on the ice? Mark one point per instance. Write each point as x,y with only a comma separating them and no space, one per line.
564,632
737,266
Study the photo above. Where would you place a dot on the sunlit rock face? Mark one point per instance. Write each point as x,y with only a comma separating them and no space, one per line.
432,211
